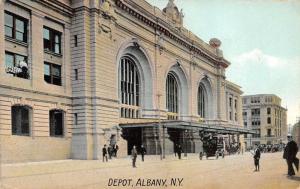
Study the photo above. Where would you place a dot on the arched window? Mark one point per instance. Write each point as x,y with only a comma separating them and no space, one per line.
130,88
20,120
172,97
56,123
201,101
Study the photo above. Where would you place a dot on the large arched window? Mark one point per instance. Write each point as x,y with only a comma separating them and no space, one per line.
56,123
172,97
130,88
20,120
201,101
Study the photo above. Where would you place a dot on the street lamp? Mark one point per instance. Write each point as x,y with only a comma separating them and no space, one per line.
159,127
164,151
185,138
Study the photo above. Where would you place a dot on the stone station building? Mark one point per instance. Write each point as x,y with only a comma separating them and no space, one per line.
78,74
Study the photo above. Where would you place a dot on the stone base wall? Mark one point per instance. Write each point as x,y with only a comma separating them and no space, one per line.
26,149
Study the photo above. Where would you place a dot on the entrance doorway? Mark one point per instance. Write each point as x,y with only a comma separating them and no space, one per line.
133,137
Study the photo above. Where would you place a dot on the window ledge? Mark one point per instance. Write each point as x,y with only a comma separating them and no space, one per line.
51,84
16,41
52,53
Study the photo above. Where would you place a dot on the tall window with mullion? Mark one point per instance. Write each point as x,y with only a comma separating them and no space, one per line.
201,101
56,121
52,40
172,95
52,73
20,119
15,27
129,81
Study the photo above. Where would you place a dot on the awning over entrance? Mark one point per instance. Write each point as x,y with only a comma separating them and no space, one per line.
206,127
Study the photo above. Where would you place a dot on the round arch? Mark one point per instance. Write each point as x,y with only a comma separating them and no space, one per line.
205,84
135,51
183,89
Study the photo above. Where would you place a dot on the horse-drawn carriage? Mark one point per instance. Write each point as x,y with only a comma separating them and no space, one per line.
212,146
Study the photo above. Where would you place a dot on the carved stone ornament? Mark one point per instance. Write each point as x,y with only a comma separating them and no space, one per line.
107,10
174,14
161,43
105,29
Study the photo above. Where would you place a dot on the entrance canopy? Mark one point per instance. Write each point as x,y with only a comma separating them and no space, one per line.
220,128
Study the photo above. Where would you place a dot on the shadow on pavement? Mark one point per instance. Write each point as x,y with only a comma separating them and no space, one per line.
296,178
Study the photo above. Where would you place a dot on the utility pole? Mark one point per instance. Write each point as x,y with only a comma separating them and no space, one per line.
159,127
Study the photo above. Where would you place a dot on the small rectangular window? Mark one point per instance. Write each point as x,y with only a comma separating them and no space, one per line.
269,120
16,65
235,104
75,41
76,74
75,119
52,40
15,27
52,73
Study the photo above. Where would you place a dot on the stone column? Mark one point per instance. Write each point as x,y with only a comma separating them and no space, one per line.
197,142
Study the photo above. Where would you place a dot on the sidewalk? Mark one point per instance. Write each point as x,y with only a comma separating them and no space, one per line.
70,165
232,172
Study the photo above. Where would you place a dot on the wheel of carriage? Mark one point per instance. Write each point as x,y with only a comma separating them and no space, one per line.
217,156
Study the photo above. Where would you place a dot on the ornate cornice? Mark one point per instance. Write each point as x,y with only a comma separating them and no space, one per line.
167,31
57,6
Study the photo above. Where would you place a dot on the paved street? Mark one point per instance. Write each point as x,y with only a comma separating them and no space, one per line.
232,172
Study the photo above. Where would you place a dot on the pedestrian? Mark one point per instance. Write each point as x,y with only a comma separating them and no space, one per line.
289,154
143,151
175,149
116,150
110,150
104,153
256,157
134,156
179,150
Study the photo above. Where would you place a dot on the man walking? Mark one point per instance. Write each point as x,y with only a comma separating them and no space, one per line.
289,154
110,150
256,157
179,150
134,156
143,151
104,153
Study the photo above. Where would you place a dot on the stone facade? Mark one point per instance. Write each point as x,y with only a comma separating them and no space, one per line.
265,115
296,132
94,37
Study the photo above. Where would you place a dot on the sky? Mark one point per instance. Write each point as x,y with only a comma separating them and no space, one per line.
261,39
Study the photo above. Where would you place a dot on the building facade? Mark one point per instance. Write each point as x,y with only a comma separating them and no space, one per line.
264,115
296,131
76,75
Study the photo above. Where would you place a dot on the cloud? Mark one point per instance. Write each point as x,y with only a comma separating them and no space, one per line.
257,56
261,73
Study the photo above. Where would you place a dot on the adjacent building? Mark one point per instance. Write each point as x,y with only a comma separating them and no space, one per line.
264,114
75,75
296,131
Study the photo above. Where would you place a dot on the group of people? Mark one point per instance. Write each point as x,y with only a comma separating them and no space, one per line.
109,152
271,148
289,154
